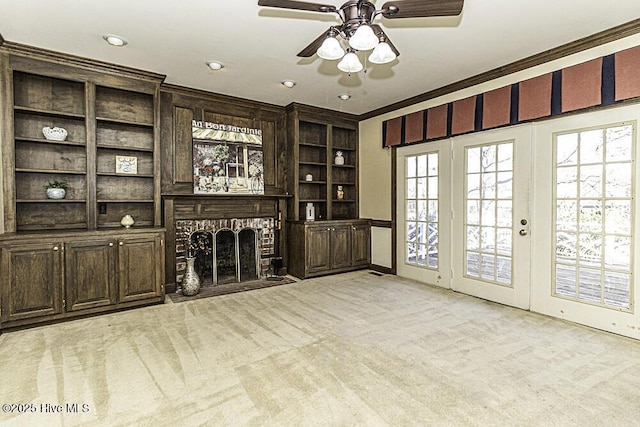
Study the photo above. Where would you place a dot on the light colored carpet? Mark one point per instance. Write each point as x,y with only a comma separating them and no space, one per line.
351,349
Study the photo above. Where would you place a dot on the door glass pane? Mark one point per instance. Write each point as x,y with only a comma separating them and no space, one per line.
411,167
567,149
421,207
618,182
591,146
489,215
593,216
567,182
619,145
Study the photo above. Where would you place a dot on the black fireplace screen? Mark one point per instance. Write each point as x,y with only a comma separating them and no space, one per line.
226,250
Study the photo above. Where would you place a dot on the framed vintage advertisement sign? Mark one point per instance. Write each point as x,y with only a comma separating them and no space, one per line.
227,159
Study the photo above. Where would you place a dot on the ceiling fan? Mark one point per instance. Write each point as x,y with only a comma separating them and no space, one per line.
358,29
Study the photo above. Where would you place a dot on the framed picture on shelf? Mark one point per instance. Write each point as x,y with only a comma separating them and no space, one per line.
127,164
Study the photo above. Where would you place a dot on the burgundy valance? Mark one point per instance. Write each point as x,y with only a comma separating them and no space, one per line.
599,82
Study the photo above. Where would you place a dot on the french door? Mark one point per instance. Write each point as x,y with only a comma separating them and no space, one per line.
585,193
423,211
490,255
541,216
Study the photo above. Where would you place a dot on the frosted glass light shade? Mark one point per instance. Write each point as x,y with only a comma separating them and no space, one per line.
330,49
382,54
363,38
350,63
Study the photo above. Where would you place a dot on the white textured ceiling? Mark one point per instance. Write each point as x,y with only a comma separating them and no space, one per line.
259,45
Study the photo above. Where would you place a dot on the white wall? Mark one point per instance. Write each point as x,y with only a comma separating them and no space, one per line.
375,162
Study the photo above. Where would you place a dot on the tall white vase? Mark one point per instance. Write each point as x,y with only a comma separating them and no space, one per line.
191,280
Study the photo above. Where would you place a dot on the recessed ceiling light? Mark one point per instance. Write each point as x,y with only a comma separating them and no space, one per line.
114,40
288,83
215,65
344,96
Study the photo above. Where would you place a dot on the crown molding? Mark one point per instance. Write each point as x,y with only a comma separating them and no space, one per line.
594,40
185,91
51,56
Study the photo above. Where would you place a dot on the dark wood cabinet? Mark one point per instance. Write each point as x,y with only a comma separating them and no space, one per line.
326,247
323,171
361,244
341,246
31,280
55,276
317,250
138,257
89,274
63,258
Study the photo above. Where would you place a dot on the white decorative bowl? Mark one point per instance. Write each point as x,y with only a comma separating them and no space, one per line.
56,193
54,134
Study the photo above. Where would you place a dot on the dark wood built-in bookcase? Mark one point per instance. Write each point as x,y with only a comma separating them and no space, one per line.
336,240
124,127
102,123
63,258
315,135
41,101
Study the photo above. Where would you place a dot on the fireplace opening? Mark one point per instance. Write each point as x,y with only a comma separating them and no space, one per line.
202,242
226,262
247,255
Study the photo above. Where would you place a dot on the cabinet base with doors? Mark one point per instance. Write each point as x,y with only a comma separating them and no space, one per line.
326,247
55,276
323,165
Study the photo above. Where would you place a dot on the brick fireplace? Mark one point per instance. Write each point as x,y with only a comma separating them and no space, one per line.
226,250
240,235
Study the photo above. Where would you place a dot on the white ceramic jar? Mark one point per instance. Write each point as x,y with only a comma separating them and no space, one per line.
127,221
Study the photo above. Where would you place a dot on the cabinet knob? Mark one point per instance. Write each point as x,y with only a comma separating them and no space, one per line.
120,243
328,228
110,244
55,248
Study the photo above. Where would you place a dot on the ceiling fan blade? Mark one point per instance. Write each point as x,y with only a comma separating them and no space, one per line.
314,45
421,8
298,5
377,30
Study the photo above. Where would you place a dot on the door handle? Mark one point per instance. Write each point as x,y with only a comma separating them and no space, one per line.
523,232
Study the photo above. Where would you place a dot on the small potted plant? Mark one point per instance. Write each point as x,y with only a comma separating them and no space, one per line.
56,189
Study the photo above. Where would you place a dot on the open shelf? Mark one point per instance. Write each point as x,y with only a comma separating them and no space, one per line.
316,137
50,113
50,201
122,123
19,139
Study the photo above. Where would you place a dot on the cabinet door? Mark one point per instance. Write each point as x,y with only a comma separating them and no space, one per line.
361,244
340,246
90,274
31,281
318,249
140,267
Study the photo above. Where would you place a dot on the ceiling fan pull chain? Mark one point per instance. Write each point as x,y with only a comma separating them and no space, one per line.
365,63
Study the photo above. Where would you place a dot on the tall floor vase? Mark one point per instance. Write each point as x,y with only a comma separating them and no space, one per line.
191,280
